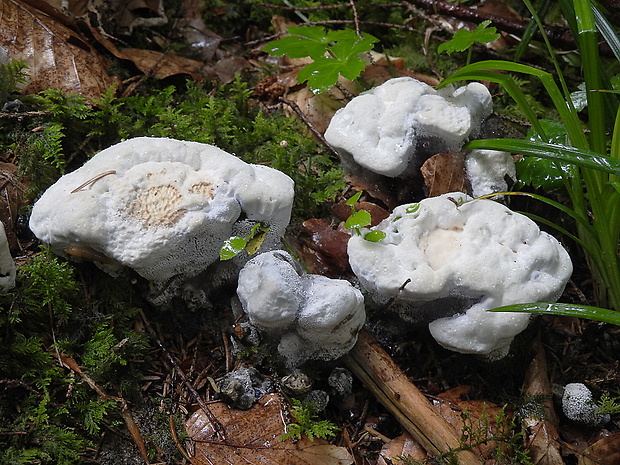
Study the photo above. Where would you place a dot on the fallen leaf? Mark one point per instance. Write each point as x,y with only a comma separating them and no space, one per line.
151,62
253,437
58,56
445,172
540,425
605,451
402,446
479,415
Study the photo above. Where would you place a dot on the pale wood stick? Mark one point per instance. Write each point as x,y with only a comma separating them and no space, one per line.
387,382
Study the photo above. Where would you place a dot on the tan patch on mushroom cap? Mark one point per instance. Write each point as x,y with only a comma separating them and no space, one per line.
158,206
203,188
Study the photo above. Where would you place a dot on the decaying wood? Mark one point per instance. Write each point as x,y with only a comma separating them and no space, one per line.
382,377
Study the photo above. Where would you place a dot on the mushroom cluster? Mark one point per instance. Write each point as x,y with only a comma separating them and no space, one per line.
451,258
404,121
162,207
312,317
392,129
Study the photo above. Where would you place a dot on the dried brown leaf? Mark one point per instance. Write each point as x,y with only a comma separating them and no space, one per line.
402,446
541,431
253,437
58,57
605,451
480,414
445,172
153,63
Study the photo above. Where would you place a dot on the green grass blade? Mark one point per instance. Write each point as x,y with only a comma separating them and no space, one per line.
561,230
541,11
607,31
564,209
563,153
587,38
581,311
489,70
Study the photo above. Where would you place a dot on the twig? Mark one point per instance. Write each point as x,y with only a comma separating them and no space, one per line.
93,180
382,377
308,123
356,18
125,410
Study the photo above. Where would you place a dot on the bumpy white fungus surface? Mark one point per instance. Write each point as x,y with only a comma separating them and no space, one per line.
315,317
578,405
487,171
7,265
382,128
165,206
475,251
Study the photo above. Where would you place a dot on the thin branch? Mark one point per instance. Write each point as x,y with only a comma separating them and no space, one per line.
308,123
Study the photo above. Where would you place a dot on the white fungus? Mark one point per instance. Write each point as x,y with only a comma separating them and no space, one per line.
7,265
488,170
161,206
578,405
386,128
467,255
313,317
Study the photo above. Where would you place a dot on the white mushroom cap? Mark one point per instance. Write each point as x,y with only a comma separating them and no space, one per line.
467,250
269,289
381,128
164,207
7,265
578,405
314,316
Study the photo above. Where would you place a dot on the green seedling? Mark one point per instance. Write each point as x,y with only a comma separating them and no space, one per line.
335,53
464,39
307,423
360,219
234,245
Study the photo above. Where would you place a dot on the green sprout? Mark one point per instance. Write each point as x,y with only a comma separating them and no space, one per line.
234,245
335,53
307,423
360,219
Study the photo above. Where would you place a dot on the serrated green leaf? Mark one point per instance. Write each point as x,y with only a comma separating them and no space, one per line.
351,46
321,74
295,47
463,38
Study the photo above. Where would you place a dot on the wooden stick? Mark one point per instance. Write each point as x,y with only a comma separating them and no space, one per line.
382,377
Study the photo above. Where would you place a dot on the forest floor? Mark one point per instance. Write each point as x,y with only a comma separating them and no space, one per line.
105,377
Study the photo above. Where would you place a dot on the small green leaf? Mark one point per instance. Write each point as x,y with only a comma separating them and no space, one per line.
375,236
354,199
232,247
463,38
359,219
258,236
